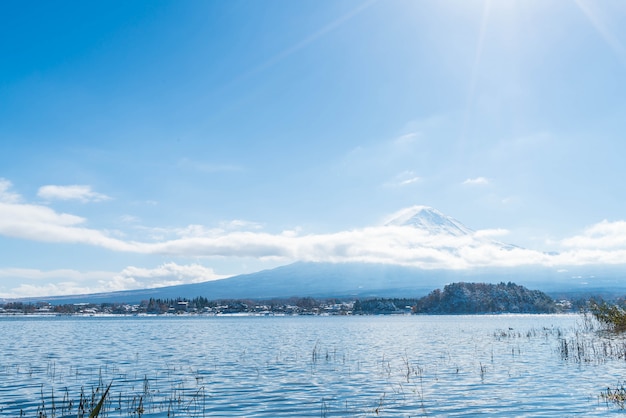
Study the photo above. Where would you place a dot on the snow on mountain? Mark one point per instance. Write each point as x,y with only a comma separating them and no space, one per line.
429,219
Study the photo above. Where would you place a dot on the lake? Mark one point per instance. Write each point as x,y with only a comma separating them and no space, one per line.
394,366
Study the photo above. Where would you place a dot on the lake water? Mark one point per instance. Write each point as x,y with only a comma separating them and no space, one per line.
396,366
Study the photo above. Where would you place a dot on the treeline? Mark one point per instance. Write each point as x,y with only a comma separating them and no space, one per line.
470,298
384,306
467,298
293,305
455,298
289,306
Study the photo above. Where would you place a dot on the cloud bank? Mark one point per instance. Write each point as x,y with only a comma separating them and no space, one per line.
41,223
73,282
602,243
404,245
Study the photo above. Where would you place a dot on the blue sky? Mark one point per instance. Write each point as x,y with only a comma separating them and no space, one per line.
148,143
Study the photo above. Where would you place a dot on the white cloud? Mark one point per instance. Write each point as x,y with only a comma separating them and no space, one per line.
488,233
192,231
581,257
233,244
478,181
393,245
602,235
5,194
36,282
48,289
81,193
410,180
405,178
169,274
240,224
385,244
402,245
199,231
40,223
19,214
604,242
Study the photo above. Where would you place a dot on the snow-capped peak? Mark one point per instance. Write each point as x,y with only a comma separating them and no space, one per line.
428,219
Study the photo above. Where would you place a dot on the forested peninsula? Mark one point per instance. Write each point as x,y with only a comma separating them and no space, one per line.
467,298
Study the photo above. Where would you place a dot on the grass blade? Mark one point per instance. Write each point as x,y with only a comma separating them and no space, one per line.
96,410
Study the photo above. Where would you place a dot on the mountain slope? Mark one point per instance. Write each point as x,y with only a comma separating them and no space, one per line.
359,280
430,220
298,279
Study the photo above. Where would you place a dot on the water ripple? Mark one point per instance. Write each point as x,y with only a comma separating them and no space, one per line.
295,366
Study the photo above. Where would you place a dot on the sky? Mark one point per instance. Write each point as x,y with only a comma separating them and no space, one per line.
151,143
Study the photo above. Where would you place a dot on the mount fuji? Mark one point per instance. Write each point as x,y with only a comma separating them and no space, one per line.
449,240
430,220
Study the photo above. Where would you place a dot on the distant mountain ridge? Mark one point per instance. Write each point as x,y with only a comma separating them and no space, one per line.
317,279
297,279
354,280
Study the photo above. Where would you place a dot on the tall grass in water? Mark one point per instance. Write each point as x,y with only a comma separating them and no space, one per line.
612,317
98,408
85,405
410,381
187,402
615,396
600,342
599,338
